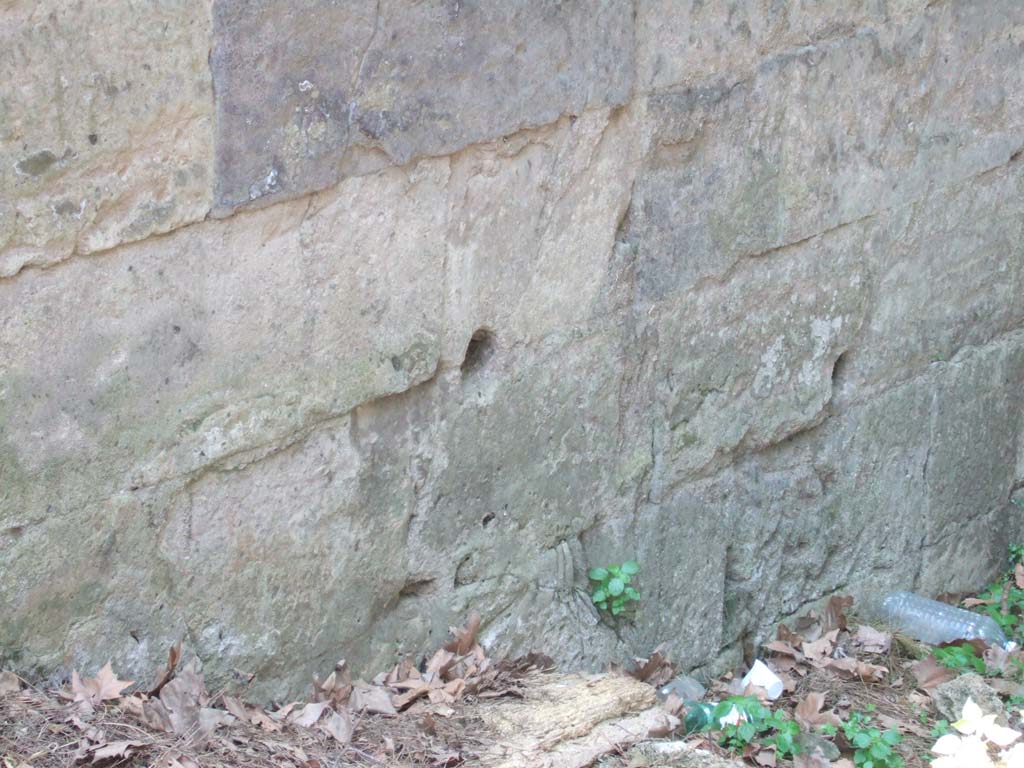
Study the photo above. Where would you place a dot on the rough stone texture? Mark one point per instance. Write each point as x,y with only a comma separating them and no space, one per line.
750,316
950,697
106,124
687,41
308,94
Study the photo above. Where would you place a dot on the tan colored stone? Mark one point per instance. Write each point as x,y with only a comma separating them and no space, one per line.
106,125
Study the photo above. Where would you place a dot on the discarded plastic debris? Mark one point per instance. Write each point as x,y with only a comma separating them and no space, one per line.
763,677
934,623
684,687
701,715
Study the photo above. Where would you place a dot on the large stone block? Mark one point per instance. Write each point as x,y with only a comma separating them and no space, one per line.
152,366
749,361
945,272
106,124
880,496
823,136
532,225
309,94
686,41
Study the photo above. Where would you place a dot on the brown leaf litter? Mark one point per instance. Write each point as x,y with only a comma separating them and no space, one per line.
460,708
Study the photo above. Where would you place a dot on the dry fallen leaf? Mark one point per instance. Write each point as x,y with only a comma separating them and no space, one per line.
930,673
861,669
1018,575
236,708
181,700
9,682
765,757
783,649
167,673
1006,687
310,714
336,688
114,750
656,670
835,613
787,635
338,725
973,602
821,648
673,704
905,726
871,640
808,712
808,626
788,682
464,638
440,663
93,690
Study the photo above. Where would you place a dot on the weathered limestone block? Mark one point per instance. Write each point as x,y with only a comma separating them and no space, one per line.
947,272
310,94
686,41
878,497
747,362
177,359
903,480
532,225
823,136
106,124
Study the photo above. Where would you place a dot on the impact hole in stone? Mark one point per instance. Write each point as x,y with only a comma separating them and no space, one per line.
487,519
479,350
837,368
416,587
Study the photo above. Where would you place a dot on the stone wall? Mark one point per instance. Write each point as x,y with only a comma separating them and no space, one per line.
323,323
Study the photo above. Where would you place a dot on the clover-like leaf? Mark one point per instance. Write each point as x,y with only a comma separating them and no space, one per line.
631,567
598,574
599,595
615,587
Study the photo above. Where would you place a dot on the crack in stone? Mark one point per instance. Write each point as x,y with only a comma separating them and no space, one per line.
357,75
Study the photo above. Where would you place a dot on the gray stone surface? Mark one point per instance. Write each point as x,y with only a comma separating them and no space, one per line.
308,94
759,329
687,41
950,697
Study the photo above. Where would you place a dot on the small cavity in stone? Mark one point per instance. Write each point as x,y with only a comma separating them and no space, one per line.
479,350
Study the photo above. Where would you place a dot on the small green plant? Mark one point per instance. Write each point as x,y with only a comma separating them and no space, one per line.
961,657
922,715
1011,622
940,729
759,725
873,747
1017,550
612,590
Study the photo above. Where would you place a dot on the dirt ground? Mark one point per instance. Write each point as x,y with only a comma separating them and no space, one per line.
460,708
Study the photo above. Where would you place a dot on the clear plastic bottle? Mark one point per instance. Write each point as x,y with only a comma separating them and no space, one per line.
933,622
